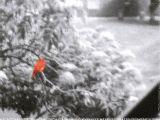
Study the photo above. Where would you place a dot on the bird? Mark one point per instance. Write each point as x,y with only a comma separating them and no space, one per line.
39,67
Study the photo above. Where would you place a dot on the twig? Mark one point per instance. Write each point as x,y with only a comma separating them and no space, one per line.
45,79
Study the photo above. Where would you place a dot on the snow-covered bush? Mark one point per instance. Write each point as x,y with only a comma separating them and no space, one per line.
88,70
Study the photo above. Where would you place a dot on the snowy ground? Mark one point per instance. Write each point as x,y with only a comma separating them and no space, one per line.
140,37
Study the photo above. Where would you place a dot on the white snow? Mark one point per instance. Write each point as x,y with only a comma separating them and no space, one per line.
3,76
38,87
99,54
69,66
67,78
85,45
108,35
9,114
133,99
128,54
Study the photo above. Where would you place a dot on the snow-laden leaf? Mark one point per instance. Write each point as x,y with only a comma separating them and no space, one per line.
67,78
107,35
133,99
3,77
98,54
38,88
69,66
128,54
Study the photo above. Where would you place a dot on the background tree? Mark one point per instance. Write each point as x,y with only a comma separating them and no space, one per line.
154,4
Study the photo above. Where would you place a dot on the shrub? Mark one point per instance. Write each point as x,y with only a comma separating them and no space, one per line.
88,70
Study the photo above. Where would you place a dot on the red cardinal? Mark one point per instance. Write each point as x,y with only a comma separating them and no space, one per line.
39,67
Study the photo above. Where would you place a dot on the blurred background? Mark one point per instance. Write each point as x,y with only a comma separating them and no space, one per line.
134,23
111,8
